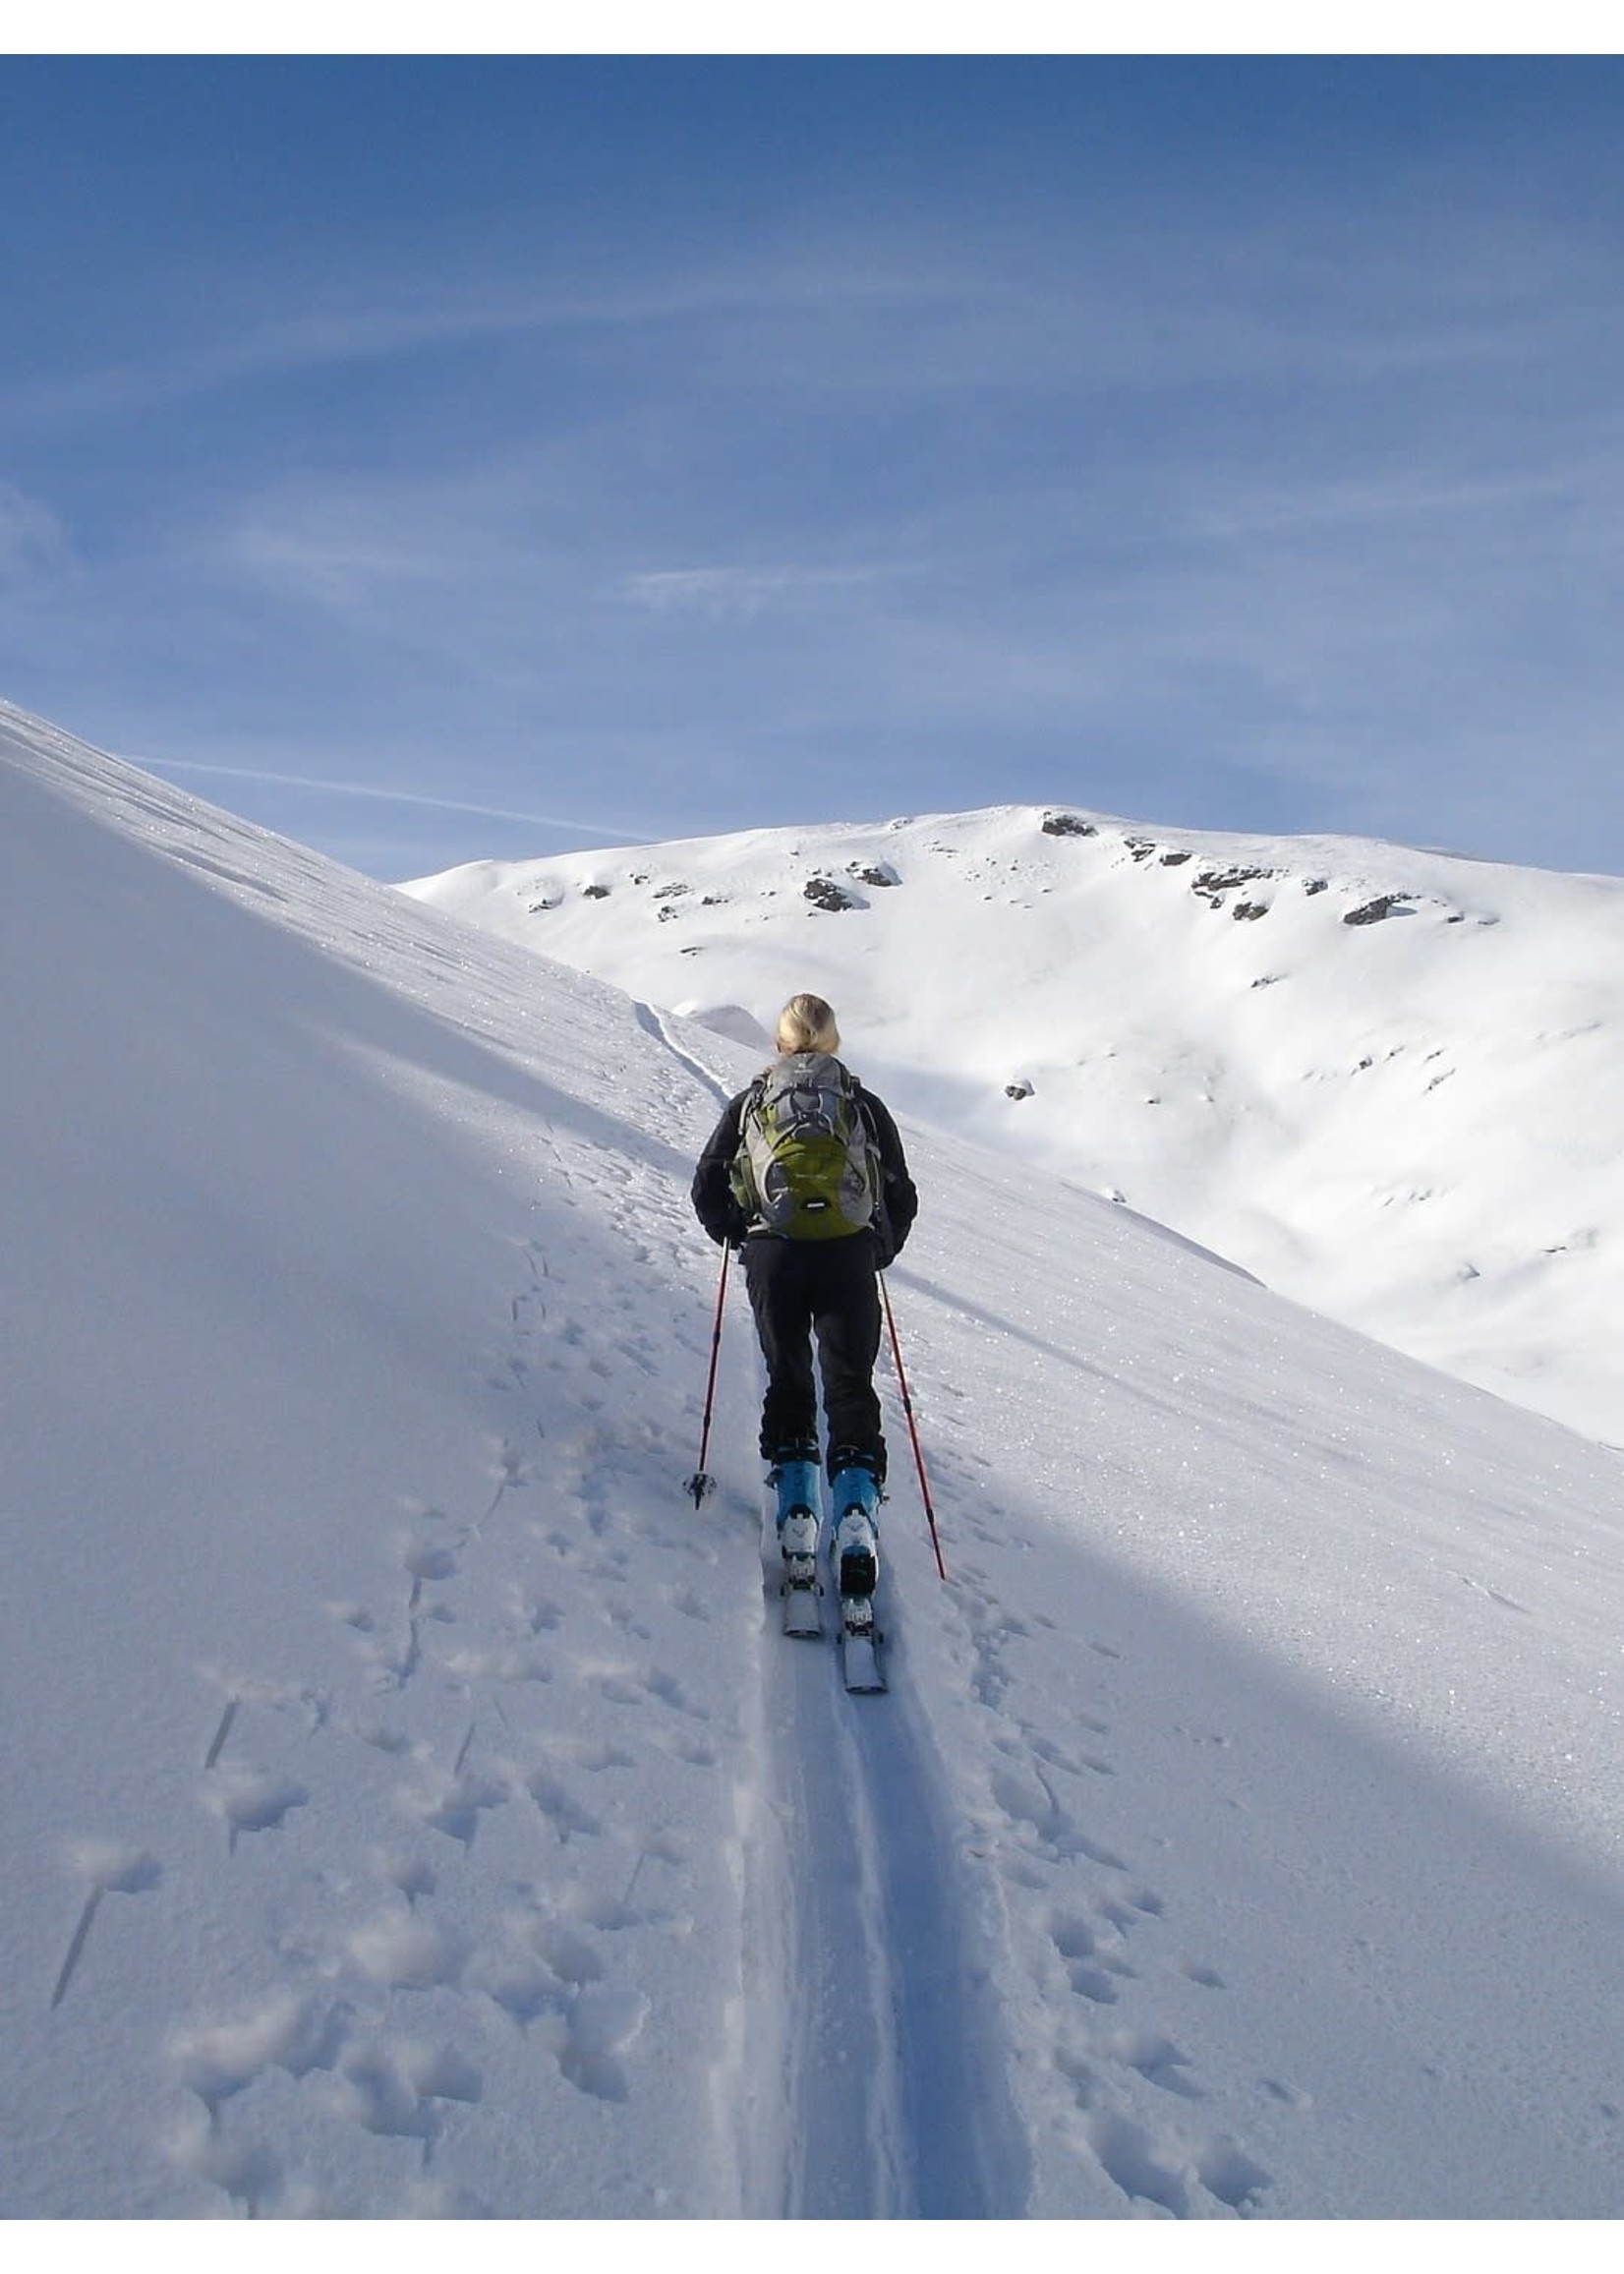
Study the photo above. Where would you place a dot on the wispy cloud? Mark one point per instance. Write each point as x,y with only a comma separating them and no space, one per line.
1412,499
598,831
33,540
336,329
723,594
337,556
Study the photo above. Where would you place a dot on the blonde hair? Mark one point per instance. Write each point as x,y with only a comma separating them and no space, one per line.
806,1023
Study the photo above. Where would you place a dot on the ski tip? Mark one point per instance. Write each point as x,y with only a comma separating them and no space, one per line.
802,1609
860,1665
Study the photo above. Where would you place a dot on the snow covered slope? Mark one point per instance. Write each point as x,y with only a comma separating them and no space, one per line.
1389,1084
407,1804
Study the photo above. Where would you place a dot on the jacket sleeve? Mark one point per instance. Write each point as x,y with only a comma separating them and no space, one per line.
712,1193
898,1200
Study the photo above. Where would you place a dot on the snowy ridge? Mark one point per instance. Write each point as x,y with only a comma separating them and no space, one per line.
410,1807
1387,1083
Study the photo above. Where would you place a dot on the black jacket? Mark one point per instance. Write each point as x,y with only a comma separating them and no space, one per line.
724,1221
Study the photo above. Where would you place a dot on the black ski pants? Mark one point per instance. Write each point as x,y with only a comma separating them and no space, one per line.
828,1289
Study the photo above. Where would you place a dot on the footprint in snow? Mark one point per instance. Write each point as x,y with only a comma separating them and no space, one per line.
693,1750
409,1874
594,1754
380,1737
1156,2059
423,1561
453,1804
623,1685
249,1799
1138,2164
1182,2181
1032,1805
536,1614
389,2087
1092,1973
600,2024
1141,1902
563,1811
287,2030
568,1954
246,2171
497,1663
403,1952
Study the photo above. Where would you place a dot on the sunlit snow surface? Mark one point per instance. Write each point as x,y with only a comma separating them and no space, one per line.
410,1806
1389,1084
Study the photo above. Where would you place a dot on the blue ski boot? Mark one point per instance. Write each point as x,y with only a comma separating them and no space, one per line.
854,1489
793,1477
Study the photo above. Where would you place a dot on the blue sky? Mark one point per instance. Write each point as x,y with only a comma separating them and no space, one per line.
492,456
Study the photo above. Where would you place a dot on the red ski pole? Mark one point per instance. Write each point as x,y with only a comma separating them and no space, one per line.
699,1483
908,1408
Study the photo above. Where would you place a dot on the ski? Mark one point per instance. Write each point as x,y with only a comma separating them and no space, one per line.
802,1597
861,1638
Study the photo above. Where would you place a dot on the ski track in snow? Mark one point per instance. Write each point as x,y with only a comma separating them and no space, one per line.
871,1974
856,1972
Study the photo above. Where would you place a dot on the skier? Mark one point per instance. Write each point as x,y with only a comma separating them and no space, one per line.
805,1173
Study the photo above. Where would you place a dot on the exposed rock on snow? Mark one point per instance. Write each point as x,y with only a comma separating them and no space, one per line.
824,893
